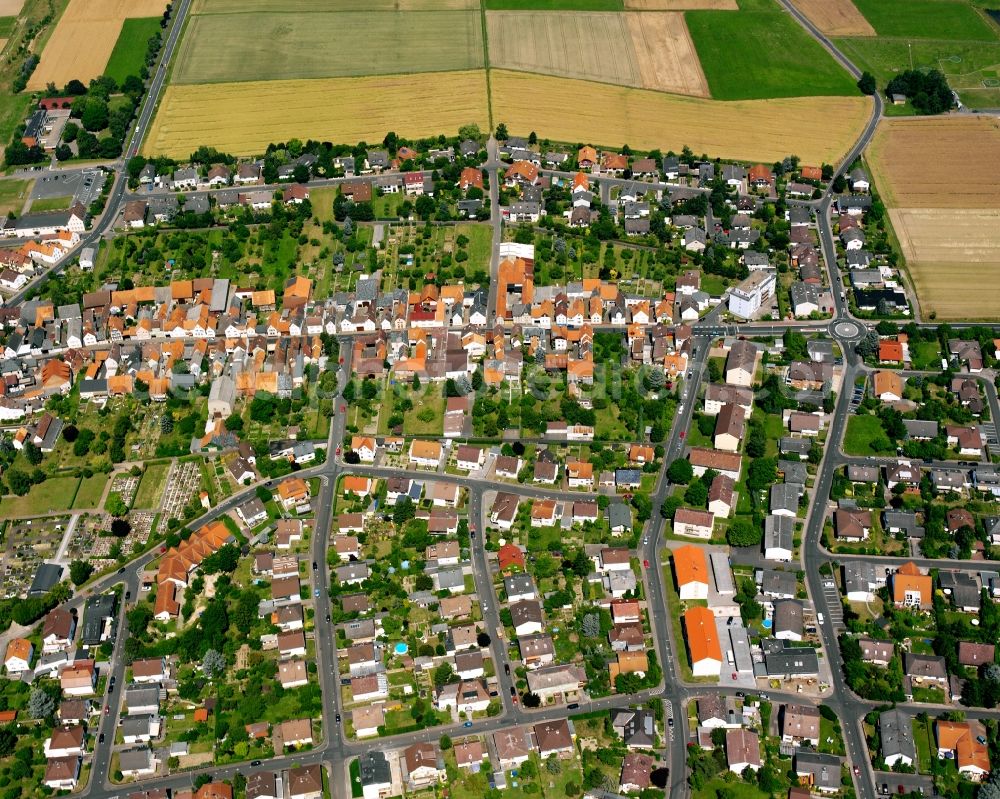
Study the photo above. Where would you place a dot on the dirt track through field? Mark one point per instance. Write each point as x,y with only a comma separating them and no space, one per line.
835,17
666,55
84,37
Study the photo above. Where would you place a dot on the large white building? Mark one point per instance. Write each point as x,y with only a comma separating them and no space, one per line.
746,299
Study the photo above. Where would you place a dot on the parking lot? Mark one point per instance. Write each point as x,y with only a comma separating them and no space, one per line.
83,185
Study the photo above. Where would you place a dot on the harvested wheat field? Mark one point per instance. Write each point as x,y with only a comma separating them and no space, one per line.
681,5
666,55
835,17
953,256
818,130
10,8
925,163
84,37
563,44
243,118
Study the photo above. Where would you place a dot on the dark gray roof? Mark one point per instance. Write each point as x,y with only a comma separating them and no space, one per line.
47,577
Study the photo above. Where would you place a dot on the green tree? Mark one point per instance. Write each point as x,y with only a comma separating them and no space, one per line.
80,571
866,83
680,471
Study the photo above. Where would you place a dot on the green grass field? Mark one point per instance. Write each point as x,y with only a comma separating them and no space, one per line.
130,50
553,5
151,486
966,64
271,46
926,19
13,194
862,431
51,204
90,491
761,52
55,494
7,26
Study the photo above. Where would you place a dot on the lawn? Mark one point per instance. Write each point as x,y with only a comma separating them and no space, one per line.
926,19
862,431
51,204
13,110
13,193
923,737
925,355
90,491
129,55
736,789
151,486
427,416
759,52
55,494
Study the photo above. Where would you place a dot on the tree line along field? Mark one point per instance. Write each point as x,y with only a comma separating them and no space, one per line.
946,217
760,51
85,37
283,45
648,50
245,117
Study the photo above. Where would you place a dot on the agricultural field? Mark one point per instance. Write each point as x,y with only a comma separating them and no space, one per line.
817,129
681,5
96,22
129,54
650,51
923,163
245,117
835,17
7,25
218,48
666,54
953,257
561,44
761,51
295,6
946,217
553,5
926,19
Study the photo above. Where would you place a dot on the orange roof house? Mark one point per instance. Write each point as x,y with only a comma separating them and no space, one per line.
890,351
691,572
703,642
521,172
912,589
586,157
470,178
298,290
888,384
293,491
811,172
362,486
510,556
56,374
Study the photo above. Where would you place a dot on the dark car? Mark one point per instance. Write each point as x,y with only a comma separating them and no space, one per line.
121,570
254,762
513,692
100,738
338,718
128,595
572,705
506,668
315,566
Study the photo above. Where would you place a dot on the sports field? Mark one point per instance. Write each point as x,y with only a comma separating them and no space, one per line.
945,215
243,118
761,51
835,17
129,54
924,163
85,37
219,48
816,129
926,19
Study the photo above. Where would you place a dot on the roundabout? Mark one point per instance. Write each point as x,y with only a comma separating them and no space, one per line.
847,330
